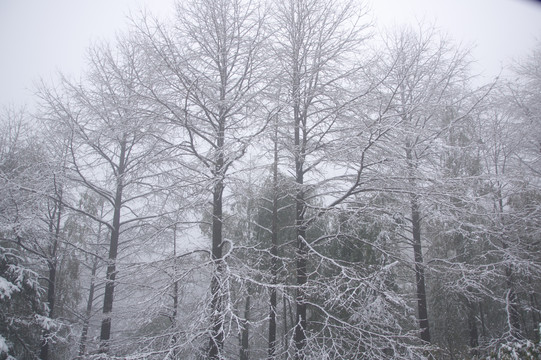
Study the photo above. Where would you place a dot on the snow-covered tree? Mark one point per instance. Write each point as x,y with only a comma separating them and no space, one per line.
210,71
24,315
114,149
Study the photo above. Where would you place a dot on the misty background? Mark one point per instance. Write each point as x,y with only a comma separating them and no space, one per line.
40,38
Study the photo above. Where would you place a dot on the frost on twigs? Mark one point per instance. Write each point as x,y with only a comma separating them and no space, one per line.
517,350
7,288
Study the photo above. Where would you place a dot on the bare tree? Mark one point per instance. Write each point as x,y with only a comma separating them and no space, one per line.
317,43
425,78
210,72
113,149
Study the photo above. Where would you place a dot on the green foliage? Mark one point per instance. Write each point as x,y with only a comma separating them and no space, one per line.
286,211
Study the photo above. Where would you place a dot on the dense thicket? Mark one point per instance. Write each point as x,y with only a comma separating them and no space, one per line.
253,180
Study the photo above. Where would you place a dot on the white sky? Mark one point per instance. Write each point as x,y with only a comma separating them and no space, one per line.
40,37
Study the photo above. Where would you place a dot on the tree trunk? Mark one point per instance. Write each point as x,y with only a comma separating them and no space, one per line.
217,317
54,230
105,334
274,251
422,307
302,278
217,333
245,343
286,329
217,321
513,318
175,293
88,313
301,253
272,321
483,324
44,350
535,315
513,314
472,327
91,291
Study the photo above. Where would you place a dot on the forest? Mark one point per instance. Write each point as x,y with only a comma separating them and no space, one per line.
273,180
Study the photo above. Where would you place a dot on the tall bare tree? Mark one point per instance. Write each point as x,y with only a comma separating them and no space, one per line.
425,78
210,73
317,42
113,149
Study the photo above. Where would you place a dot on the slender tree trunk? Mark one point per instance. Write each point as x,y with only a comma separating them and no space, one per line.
302,278
175,280
245,339
422,306
483,324
513,314
513,317
217,333
272,323
535,315
105,334
274,251
91,291
88,313
54,230
175,294
286,329
301,251
472,327
44,350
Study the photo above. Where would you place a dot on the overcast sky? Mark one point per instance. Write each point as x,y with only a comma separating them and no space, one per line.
40,37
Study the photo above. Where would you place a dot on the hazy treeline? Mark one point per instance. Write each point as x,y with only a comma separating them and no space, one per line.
273,180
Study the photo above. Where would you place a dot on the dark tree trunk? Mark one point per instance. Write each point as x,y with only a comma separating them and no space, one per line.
422,307
272,323
217,333
302,251
88,313
482,318
90,299
472,327
286,329
511,298
105,334
535,314
175,294
274,251
245,342
302,278
512,305
44,350
54,230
